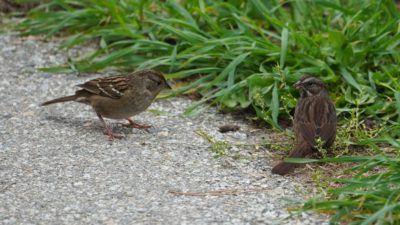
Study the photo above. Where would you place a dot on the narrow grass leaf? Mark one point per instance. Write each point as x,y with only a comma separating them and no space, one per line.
173,59
189,36
397,97
349,78
332,5
275,104
284,46
379,215
183,12
232,65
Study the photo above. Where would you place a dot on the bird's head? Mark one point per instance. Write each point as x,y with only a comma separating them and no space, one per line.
310,86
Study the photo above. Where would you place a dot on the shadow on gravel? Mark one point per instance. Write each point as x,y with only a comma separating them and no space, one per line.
88,125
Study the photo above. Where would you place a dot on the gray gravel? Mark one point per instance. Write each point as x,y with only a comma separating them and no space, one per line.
56,166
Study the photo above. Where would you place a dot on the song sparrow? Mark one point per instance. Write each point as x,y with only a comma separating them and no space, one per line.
314,118
119,97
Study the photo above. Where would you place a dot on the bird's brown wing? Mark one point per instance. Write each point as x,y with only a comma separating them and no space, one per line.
328,128
113,87
319,119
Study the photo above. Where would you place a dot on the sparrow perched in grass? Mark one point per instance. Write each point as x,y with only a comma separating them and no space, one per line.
314,118
119,97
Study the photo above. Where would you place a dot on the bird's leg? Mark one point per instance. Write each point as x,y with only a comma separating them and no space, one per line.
107,130
135,125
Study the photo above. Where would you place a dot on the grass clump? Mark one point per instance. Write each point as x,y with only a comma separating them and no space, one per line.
247,54
370,196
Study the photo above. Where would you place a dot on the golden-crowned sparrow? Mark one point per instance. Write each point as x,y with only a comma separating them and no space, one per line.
314,118
119,97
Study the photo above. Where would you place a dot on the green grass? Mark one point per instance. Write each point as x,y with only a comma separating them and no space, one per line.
370,196
247,54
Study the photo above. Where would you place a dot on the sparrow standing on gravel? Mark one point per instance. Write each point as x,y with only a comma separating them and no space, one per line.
314,118
119,97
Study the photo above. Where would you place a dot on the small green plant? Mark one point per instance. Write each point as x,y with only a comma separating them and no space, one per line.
281,141
222,148
321,181
219,148
319,143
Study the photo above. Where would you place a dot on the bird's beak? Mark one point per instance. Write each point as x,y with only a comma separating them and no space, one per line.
169,84
297,85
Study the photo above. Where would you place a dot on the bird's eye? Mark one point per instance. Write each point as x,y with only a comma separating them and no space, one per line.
157,81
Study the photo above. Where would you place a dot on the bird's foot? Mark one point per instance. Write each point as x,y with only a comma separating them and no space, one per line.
111,135
107,130
132,124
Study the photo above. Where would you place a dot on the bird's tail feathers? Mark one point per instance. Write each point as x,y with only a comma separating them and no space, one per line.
62,99
300,151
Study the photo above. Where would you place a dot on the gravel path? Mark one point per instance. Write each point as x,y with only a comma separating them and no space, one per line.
56,166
